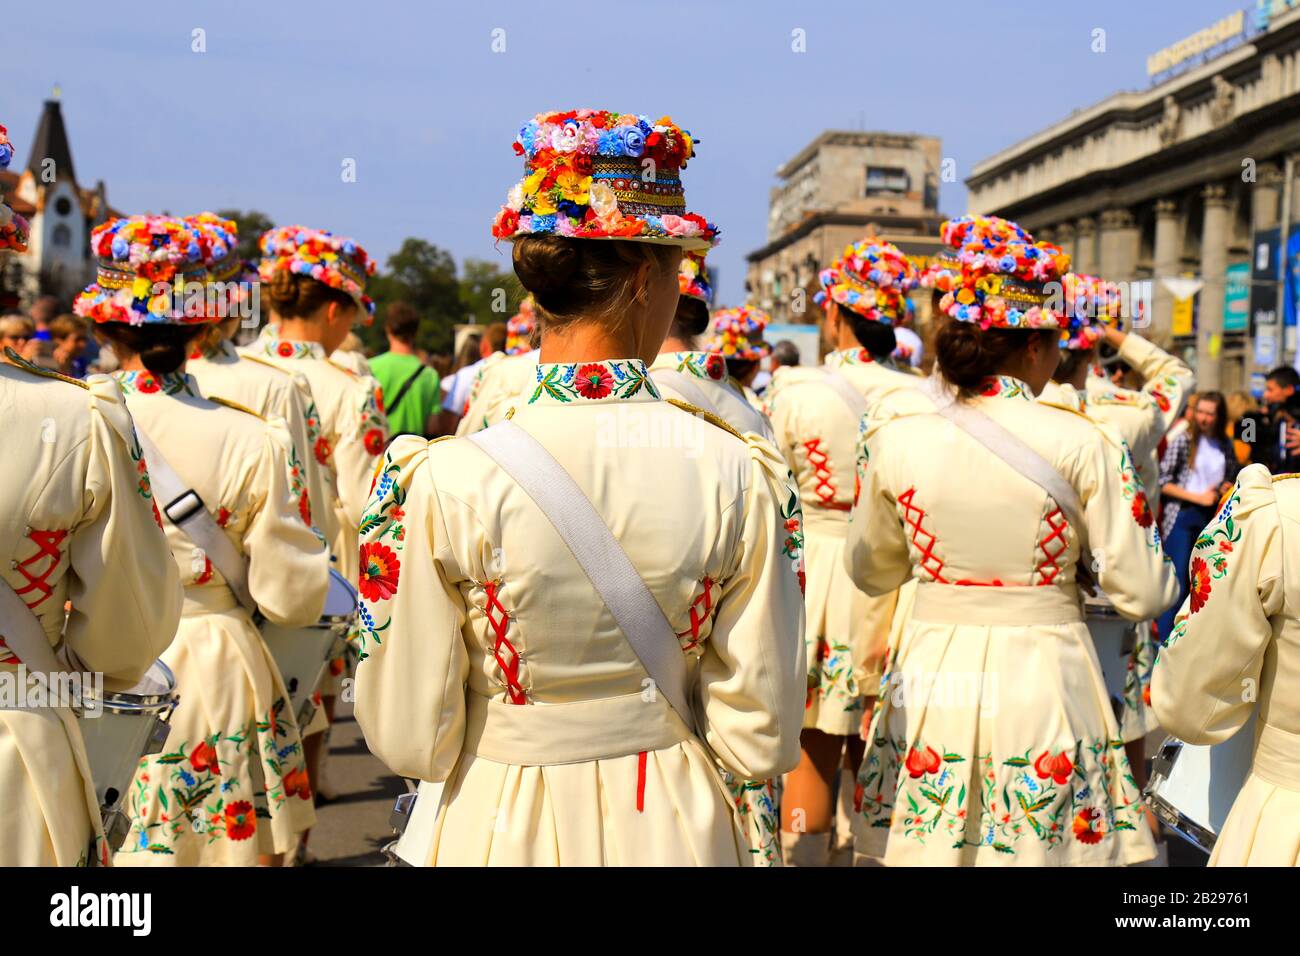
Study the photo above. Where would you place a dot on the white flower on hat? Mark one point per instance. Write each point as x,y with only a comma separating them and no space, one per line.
602,200
515,198
565,138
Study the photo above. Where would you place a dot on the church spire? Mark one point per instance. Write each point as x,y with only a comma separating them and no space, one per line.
51,142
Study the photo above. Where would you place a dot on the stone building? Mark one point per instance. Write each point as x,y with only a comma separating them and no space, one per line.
840,187
1194,179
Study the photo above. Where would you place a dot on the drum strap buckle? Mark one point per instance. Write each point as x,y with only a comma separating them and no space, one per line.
402,811
183,507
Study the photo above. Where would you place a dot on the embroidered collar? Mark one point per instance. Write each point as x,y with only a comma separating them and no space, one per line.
270,344
613,380
849,357
147,383
223,351
1005,386
707,365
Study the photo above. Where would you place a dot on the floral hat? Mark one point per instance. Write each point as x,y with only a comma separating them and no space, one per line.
738,333
519,330
693,278
943,272
222,258
13,227
1091,303
593,174
1004,275
337,261
872,278
145,262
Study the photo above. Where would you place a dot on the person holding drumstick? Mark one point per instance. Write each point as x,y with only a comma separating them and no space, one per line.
1233,658
230,786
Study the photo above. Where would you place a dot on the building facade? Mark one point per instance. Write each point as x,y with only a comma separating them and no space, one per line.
1189,185
840,187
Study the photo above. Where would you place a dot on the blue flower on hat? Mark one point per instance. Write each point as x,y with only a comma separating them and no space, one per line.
6,154
120,248
543,223
570,208
633,141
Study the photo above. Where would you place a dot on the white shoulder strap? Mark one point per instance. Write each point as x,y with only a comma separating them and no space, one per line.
185,509
23,635
685,386
564,504
852,397
1022,459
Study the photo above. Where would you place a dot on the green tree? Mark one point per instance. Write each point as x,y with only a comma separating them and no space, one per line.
424,276
251,226
487,293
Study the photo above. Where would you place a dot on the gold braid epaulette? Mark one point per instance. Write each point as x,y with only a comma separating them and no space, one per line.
261,361
434,441
27,366
1072,411
709,417
1289,474
349,371
235,405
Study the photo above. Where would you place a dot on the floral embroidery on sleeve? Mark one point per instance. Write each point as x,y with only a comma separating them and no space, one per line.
374,429
1211,550
381,563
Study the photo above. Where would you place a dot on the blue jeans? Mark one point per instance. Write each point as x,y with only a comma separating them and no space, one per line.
1189,524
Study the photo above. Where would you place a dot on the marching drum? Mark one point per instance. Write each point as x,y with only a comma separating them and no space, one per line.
413,818
119,728
301,653
1113,636
1193,787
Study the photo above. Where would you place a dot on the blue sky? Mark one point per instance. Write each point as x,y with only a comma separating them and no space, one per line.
415,95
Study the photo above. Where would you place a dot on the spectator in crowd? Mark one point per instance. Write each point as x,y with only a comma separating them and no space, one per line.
17,333
1198,467
456,387
412,396
784,353
1241,408
65,349
1278,444
42,312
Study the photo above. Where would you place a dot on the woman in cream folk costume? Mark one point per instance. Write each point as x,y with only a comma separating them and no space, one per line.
506,379
683,371
230,786
493,663
816,413
998,745
314,283
1233,657
77,497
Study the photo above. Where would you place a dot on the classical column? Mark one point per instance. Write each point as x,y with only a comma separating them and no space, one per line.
1119,245
1266,197
1085,246
1168,263
1065,239
1215,231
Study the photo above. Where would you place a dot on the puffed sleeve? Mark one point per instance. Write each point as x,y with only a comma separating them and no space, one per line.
478,406
875,550
410,690
1204,676
124,584
362,437
1167,380
753,675
781,413
299,412
1126,557
288,564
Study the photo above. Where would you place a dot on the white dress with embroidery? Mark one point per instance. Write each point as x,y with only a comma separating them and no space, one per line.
708,372
1233,658
493,665
504,382
847,630
78,524
997,744
230,782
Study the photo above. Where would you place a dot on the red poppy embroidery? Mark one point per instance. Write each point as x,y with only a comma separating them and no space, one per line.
204,757
918,764
1200,584
206,576
241,821
304,507
1087,825
593,381
284,350
1057,767
322,450
223,516
379,397
374,441
147,384
715,366
379,571
296,784
1142,510
156,516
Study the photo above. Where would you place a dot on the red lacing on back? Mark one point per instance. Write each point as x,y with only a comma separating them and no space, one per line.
1053,546
822,474
506,656
699,615
47,543
924,541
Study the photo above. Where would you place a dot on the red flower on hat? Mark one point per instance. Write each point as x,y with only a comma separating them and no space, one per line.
593,381
157,271
1058,767
241,820
204,757
374,441
918,764
380,570
506,224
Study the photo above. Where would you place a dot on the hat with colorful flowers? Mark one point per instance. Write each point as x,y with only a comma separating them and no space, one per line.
1091,304
337,261
872,278
519,330
235,277
1004,275
594,174
13,227
738,333
693,278
152,270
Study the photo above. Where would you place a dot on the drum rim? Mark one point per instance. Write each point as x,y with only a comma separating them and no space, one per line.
122,702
